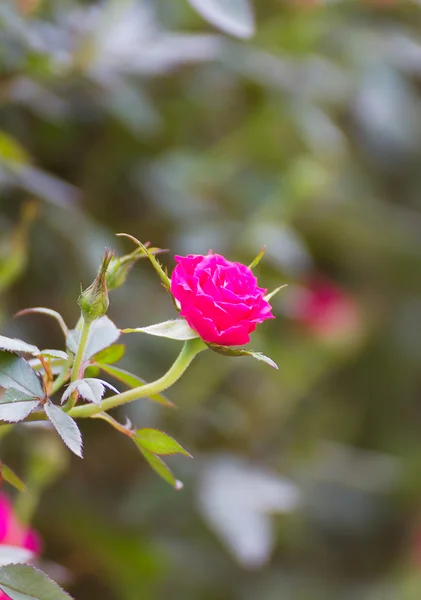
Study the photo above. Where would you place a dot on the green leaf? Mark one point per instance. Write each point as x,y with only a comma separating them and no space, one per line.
227,351
176,329
15,405
22,582
14,345
110,355
258,258
272,294
155,262
66,427
12,555
102,334
17,373
160,467
158,442
90,389
232,16
45,311
132,381
11,477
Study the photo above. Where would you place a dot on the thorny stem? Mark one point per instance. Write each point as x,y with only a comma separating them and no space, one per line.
78,366
190,349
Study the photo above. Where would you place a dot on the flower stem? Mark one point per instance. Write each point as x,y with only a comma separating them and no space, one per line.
78,366
62,378
190,349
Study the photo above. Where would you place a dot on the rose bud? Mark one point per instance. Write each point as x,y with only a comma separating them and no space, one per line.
219,299
94,301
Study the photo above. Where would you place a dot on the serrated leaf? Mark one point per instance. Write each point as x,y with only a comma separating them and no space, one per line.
17,373
66,427
258,258
275,291
110,355
12,555
102,334
11,477
59,354
176,329
14,345
23,582
132,381
46,311
15,405
160,467
90,389
232,16
158,442
228,351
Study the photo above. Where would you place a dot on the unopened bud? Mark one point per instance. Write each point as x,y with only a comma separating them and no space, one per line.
119,268
93,301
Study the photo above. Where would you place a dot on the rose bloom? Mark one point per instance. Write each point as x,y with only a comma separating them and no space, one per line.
219,299
13,533
325,310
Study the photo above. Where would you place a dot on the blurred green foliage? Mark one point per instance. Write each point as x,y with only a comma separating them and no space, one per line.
139,117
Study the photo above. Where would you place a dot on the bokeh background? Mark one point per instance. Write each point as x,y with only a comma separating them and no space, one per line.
139,116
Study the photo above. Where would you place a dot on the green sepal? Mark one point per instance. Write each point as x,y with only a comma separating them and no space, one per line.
235,352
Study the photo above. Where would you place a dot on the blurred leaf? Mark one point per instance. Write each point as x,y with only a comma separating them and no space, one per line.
176,329
66,427
109,355
158,442
14,345
11,477
90,389
103,333
228,351
12,555
11,151
15,405
232,16
160,467
132,381
22,582
16,372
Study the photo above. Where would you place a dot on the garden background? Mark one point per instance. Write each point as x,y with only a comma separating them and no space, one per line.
139,116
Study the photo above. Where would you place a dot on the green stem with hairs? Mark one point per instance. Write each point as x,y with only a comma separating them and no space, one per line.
190,349
78,367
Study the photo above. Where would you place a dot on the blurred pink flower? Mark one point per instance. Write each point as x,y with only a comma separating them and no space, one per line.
13,533
219,299
325,310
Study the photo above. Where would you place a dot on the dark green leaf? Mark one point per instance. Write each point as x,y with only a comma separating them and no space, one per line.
15,405
132,381
103,333
160,467
232,16
11,477
66,427
17,373
228,351
159,442
110,355
13,345
22,582
176,329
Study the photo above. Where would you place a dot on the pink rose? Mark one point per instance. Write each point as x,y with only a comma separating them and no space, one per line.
219,299
13,533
